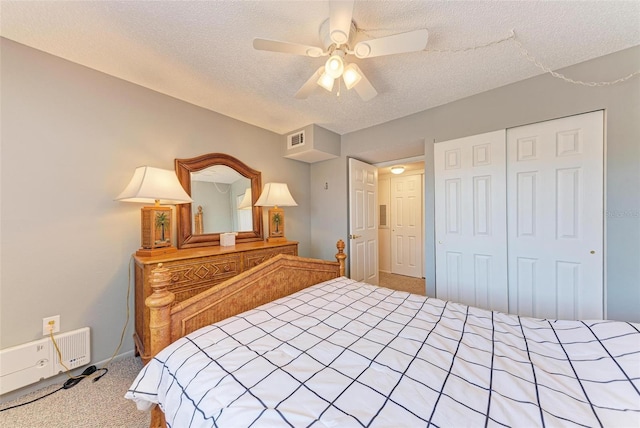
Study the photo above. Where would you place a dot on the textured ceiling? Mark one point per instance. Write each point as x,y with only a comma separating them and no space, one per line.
201,51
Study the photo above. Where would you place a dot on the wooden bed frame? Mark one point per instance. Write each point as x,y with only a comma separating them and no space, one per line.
275,278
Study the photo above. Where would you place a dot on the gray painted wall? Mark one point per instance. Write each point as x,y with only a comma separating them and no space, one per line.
71,139
533,100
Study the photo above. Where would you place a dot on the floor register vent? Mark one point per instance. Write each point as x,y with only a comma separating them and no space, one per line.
31,362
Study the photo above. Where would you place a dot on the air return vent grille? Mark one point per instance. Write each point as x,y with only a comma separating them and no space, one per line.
383,216
295,140
30,362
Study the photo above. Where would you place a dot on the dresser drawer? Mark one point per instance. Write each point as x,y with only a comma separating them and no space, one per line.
201,273
254,258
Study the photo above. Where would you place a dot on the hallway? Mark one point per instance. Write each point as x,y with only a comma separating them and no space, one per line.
402,283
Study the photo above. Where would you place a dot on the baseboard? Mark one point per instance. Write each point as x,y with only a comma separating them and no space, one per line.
57,379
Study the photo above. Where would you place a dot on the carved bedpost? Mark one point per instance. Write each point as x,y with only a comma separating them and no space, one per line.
159,303
341,256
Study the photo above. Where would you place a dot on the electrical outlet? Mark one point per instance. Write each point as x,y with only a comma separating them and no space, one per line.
48,321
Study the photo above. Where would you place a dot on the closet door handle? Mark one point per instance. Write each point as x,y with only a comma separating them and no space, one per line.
354,236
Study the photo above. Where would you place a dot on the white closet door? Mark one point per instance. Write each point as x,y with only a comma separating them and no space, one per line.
471,233
555,212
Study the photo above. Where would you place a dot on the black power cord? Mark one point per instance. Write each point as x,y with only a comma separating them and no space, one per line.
76,380
67,385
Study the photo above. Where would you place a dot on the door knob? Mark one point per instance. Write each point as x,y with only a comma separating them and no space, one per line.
440,242
354,236
592,251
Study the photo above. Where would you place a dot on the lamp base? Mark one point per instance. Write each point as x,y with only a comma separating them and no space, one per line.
152,252
278,239
276,225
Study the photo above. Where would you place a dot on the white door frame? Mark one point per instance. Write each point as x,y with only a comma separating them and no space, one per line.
413,159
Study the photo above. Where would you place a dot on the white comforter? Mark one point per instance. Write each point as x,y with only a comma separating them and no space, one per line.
343,354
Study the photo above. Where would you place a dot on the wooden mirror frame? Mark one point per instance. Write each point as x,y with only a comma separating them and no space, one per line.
184,168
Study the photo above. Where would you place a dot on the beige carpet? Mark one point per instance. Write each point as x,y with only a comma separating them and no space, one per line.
403,283
88,404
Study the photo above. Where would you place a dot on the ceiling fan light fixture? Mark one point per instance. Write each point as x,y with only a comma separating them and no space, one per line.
335,65
351,76
326,81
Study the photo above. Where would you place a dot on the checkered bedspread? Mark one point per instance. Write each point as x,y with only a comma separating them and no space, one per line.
347,354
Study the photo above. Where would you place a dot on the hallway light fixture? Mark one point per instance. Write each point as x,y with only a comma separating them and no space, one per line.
397,169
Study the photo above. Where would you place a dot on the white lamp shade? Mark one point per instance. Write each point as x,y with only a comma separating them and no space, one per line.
334,66
276,194
351,76
245,204
326,81
150,184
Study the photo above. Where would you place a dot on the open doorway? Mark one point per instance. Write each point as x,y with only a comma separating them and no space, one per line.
401,225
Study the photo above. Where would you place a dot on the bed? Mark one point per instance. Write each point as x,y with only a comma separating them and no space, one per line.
327,351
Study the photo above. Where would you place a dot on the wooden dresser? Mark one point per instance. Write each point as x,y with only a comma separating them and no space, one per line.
195,270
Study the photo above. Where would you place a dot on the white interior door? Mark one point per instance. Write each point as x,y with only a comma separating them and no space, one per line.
555,211
406,225
471,232
363,224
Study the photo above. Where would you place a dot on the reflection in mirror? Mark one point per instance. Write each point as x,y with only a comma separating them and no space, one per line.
220,191
226,190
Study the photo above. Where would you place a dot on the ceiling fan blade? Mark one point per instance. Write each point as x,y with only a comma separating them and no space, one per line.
364,88
398,43
286,47
310,85
340,21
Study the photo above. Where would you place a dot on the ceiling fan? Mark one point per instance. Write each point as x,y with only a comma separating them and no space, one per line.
337,34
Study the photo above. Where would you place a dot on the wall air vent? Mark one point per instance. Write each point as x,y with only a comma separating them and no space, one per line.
295,140
383,216
312,144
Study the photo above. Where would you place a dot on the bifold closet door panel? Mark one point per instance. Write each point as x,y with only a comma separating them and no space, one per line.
555,217
471,235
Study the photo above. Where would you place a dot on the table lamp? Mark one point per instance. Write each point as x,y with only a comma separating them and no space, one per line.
274,195
160,186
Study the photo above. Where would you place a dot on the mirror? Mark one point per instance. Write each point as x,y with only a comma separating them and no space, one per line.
224,191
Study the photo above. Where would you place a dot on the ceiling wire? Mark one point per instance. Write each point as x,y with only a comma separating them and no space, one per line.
557,75
525,54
